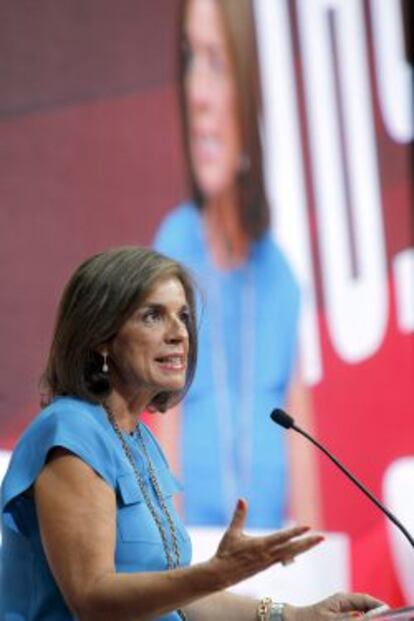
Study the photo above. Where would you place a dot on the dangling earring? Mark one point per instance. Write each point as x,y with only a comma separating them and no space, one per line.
105,367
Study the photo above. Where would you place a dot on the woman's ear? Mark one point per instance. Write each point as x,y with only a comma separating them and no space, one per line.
102,349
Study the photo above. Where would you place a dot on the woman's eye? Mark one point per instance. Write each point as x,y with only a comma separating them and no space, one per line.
151,316
185,317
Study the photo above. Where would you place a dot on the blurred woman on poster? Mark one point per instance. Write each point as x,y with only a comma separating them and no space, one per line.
250,311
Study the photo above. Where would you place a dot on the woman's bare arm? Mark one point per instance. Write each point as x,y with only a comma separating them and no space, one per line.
77,517
232,607
223,605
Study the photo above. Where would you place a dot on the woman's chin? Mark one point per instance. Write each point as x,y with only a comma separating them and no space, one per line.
212,184
175,384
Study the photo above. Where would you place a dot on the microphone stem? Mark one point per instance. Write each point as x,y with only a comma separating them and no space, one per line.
357,483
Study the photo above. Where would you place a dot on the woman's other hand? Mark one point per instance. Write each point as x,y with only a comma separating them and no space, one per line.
240,556
339,607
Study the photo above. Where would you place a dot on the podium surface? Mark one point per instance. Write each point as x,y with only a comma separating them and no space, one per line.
398,614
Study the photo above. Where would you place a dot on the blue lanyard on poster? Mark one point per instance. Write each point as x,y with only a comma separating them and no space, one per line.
235,441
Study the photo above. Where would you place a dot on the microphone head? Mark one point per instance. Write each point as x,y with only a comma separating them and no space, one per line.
281,418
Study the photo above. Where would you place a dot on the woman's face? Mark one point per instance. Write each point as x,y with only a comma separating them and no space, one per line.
213,124
150,351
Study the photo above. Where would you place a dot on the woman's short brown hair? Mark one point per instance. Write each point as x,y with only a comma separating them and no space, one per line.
100,296
239,30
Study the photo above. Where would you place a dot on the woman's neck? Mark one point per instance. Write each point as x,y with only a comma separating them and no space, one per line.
127,411
227,242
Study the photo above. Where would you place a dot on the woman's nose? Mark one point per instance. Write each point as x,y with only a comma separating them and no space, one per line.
176,331
198,85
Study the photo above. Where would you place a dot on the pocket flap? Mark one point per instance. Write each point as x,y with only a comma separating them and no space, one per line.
130,492
128,489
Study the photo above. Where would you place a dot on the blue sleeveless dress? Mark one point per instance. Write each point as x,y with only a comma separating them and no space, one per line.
29,591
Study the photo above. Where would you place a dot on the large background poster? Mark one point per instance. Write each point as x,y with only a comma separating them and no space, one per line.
91,156
340,147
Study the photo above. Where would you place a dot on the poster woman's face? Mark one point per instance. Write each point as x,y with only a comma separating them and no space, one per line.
210,89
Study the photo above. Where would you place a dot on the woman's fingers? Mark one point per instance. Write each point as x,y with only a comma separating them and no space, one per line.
288,552
294,548
282,536
239,516
338,607
345,602
341,607
241,556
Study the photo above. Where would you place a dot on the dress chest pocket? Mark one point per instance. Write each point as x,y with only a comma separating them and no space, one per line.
134,520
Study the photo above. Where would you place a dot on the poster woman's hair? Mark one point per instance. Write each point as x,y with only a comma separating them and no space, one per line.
239,32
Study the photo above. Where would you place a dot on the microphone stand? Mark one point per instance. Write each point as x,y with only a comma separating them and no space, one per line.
280,417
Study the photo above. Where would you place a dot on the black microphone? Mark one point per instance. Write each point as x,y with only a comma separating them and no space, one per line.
282,418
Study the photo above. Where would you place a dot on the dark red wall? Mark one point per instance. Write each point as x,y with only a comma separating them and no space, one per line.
90,157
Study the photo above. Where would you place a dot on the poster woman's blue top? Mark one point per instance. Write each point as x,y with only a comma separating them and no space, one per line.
248,328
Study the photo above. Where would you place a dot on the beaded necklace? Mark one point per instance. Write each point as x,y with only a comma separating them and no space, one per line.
172,553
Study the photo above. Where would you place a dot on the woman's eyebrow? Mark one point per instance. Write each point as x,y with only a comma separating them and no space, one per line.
152,306
159,306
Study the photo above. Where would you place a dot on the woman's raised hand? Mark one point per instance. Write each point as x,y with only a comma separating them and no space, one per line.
240,556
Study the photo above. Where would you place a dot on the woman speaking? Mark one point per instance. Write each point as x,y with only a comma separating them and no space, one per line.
88,521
